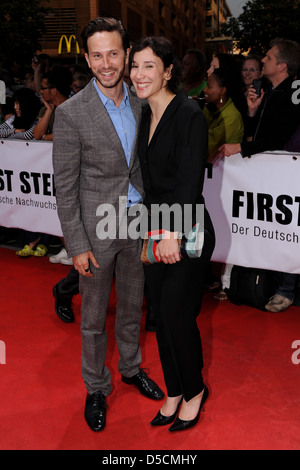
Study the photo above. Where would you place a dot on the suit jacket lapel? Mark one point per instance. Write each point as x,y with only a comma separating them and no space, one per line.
101,118
136,108
103,121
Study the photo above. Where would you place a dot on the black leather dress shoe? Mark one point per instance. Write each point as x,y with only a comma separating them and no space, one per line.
62,309
181,425
95,411
145,385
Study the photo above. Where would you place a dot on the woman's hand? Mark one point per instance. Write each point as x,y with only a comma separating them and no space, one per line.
226,150
167,249
253,101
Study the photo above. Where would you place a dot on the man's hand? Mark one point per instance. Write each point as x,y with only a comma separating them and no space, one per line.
82,263
227,150
50,107
36,66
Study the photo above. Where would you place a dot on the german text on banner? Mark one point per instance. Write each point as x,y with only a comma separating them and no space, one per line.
254,204
27,193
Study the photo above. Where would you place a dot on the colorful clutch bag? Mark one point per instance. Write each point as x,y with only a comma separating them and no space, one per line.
189,247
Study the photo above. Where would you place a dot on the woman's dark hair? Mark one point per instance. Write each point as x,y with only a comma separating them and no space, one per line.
100,24
224,79
230,65
29,106
229,76
163,49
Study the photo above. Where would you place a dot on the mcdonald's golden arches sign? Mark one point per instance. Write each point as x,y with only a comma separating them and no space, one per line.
68,43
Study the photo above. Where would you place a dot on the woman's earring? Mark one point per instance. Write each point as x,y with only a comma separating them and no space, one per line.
221,100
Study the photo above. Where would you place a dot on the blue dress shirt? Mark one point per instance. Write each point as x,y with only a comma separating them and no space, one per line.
125,125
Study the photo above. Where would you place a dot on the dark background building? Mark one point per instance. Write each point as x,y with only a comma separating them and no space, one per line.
182,21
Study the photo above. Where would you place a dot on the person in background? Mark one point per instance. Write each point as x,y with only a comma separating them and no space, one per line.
193,72
7,105
226,62
225,124
36,244
63,293
55,89
27,106
40,64
274,117
251,70
230,64
21,124
79,82
28,79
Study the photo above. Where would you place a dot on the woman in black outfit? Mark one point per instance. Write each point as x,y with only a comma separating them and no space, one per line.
173,152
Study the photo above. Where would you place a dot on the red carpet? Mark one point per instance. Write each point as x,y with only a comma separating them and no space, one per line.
254,401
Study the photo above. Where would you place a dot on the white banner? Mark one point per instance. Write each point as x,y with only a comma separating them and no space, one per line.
254,202
27,194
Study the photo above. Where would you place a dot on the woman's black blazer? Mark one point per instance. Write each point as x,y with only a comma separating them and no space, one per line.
173,163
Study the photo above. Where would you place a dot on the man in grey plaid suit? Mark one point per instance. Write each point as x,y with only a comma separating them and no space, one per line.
96,163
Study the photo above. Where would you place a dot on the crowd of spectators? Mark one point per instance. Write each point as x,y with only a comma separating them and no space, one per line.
39,77
239,121
28,113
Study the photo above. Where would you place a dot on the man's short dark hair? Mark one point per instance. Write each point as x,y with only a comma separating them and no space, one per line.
61,79
288,53
104,24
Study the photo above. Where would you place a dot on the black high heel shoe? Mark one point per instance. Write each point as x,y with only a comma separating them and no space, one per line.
161,420
181,425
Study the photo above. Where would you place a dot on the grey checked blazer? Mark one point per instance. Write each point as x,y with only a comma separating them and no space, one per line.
90,167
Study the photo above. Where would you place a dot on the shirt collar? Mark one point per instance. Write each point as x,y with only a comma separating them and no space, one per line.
105,100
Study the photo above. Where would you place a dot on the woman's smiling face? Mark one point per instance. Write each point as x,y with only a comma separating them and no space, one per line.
148,74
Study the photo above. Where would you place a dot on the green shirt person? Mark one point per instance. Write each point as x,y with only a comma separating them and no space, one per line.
225,123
